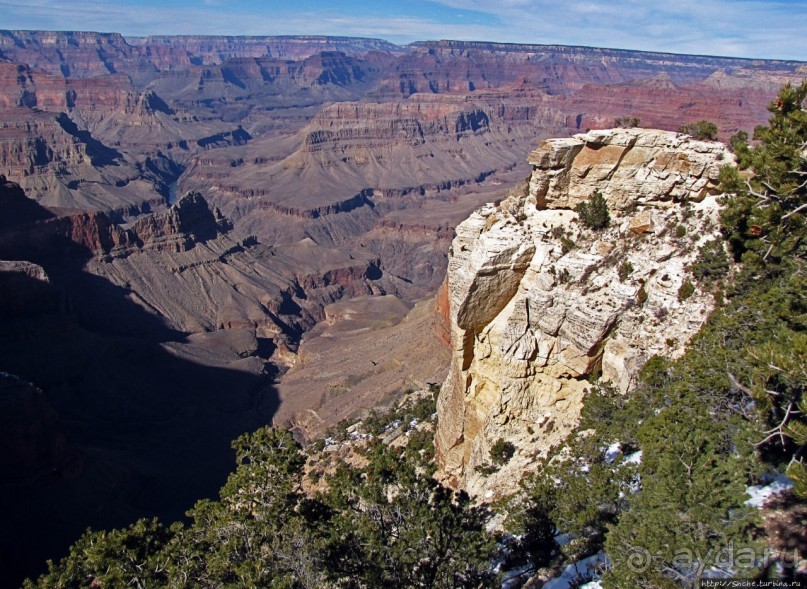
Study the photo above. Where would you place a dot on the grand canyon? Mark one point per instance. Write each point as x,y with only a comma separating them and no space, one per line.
203,235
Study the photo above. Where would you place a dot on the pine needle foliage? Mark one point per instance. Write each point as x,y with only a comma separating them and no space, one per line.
594,213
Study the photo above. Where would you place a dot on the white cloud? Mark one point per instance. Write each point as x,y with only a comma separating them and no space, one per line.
755,28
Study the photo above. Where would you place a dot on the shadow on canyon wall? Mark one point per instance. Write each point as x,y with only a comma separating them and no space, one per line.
124,424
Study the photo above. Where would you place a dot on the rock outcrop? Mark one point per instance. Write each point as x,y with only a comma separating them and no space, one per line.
538,302
25,290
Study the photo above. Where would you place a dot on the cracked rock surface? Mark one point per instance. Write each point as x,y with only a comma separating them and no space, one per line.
538,302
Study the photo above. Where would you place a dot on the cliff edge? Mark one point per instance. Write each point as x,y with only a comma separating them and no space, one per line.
539,302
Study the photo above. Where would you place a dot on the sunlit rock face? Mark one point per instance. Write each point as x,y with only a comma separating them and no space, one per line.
538,301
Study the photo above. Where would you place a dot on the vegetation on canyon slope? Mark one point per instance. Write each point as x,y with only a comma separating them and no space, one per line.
728,414
386,523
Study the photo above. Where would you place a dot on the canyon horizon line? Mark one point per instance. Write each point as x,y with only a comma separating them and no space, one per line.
141,40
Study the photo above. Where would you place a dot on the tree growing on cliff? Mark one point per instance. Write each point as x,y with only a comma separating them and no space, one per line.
712,263
703,130
502,451
387,524
264,531
594,213
764,221
395,526
131,557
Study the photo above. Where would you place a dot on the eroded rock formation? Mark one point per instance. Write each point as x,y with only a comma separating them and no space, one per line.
356,144
538,302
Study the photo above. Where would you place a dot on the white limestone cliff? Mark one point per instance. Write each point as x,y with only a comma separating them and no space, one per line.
532,318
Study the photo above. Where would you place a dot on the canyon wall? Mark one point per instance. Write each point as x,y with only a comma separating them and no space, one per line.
539,302
364,148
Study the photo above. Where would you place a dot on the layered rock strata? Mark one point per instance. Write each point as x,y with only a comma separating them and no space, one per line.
538,302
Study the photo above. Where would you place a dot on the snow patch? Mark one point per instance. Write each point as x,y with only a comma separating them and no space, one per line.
635,458
612,451
761,493
564,539
583,570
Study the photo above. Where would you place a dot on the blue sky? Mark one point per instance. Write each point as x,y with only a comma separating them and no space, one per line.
743,28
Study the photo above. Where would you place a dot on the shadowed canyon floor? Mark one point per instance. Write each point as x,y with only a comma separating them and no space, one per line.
109,413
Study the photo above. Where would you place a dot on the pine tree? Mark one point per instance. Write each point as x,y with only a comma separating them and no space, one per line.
594,213
765,219
765,222
398,527
703,130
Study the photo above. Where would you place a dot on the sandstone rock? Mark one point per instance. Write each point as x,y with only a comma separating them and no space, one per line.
531,319
642,222
628,166
25,290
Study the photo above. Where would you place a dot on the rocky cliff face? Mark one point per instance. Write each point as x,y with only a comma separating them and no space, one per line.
32,230
216,49
538,302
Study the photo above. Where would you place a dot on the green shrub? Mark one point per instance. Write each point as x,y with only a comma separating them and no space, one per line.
487,469
624,270
687,290
566,245
738,143
703,130
594,213
502,451
712,263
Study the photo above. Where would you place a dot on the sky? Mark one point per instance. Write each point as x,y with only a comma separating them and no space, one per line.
739,28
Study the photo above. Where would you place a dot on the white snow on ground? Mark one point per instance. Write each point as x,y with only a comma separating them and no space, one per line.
635,458
612,451
392,425
563,539
761,493
515,578
582,570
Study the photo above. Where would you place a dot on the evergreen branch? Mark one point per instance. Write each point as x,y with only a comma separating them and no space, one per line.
778,430
737,385
752,192
796,210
